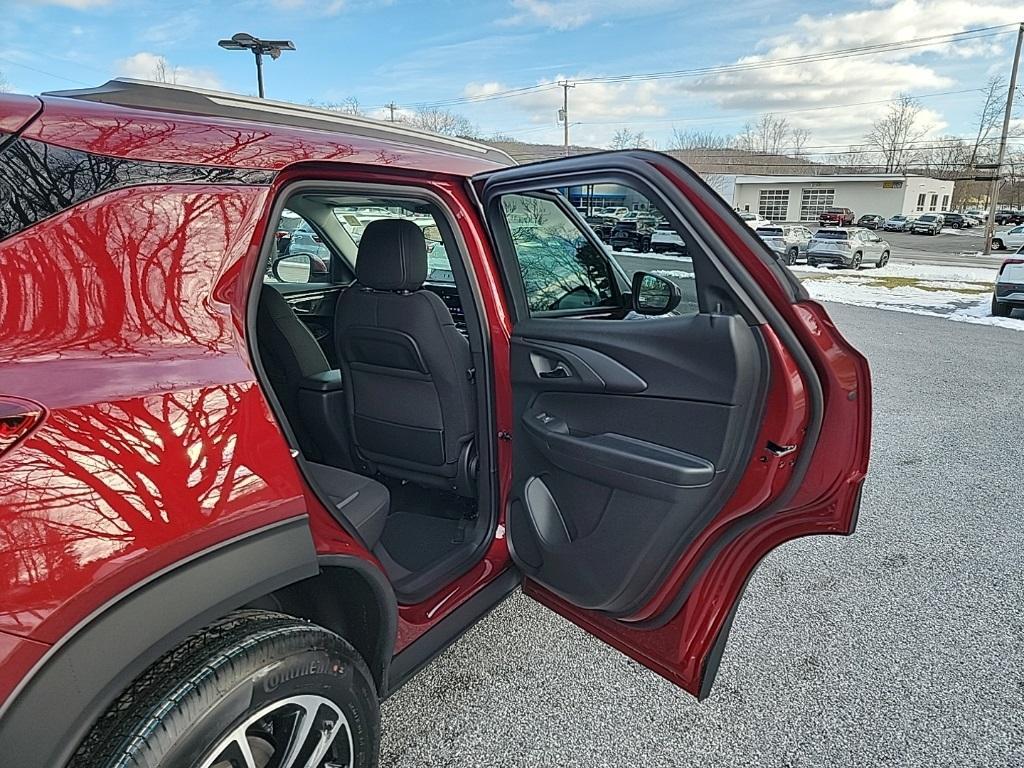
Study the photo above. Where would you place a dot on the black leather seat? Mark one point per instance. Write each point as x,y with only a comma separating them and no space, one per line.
289,354
407,369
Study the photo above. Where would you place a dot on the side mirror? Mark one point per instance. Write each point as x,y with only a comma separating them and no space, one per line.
654,295
300,268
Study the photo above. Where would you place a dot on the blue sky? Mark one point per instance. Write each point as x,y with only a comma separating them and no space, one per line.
415,52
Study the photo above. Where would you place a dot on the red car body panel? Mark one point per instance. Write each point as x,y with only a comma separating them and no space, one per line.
148,386
16,111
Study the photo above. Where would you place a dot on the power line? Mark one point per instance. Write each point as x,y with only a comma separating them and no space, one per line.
839,53
42,71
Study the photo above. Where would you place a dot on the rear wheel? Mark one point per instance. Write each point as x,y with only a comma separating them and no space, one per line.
791,255
999,309
856,261
257,689
882,260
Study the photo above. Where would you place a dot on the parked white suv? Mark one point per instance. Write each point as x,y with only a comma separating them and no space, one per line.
1008,239
1009,291
754,220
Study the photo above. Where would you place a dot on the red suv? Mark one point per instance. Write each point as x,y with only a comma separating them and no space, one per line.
248,491
836,217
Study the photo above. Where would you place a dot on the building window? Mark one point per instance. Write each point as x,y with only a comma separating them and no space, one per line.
773,204
945,202
920,202
814,201
934,204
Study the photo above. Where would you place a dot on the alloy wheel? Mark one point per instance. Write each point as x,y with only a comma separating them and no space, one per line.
297,732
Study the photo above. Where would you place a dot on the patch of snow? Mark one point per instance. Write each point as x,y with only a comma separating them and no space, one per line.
673,273
920,271
948,303
650,255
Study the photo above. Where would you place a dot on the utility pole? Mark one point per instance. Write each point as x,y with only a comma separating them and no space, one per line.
563,113
993,194
391,106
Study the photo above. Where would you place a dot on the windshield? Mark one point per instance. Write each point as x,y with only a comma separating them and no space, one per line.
776,231
831,234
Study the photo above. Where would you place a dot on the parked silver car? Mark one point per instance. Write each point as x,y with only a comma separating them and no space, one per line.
789,241
847,248
898,223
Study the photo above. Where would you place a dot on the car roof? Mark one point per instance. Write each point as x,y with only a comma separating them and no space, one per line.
170,123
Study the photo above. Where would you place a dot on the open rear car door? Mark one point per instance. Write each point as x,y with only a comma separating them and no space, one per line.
658,459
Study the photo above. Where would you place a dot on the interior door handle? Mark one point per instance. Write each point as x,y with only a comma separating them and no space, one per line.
558,372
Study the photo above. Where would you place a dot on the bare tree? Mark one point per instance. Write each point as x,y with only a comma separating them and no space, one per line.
990,117
770,134
798,138
624,138
895,134
163,72
348,106
697,140
5,86
442,121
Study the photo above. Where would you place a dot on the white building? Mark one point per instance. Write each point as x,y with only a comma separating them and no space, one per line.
803,198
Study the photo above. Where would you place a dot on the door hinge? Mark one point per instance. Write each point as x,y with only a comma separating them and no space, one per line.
503,435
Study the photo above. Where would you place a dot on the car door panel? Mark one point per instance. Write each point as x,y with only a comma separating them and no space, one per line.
630,463
640,513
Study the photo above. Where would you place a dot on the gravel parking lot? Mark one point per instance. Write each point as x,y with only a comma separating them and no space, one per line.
902,645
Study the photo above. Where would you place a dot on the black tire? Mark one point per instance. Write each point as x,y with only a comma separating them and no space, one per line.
883,259
235,669
855,262
791,256
997,244
1001,310
812,263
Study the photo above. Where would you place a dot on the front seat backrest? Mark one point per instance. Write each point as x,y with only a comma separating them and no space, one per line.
407,369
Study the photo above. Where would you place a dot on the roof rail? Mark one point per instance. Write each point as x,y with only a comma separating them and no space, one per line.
165,97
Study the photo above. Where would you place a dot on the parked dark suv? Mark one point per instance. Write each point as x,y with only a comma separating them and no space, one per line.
635,234
241,507
836,217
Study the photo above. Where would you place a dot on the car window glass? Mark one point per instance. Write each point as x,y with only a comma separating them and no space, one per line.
564,270
560,267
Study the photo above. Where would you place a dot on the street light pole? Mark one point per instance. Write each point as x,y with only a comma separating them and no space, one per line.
246,42
993,195
259,74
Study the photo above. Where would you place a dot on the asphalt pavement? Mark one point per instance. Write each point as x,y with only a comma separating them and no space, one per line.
902,645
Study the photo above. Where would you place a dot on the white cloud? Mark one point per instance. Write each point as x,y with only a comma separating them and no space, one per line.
858,78
151,66
610,105
564,15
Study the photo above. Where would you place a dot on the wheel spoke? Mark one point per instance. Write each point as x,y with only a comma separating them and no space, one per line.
327,736
315,724
246,751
